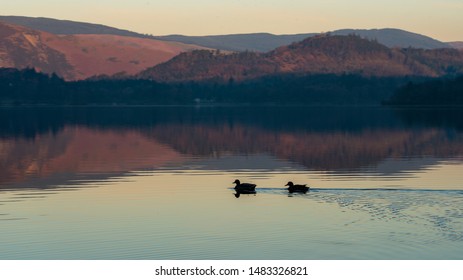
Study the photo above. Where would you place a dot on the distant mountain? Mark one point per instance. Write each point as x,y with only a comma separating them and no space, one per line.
456,45
263,42
260,42
81,56
236,42
395,38
321,54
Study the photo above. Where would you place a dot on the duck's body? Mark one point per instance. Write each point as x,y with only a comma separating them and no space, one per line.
297,188
244,187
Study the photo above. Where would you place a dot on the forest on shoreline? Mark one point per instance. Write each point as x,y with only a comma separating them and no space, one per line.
433,92
28,87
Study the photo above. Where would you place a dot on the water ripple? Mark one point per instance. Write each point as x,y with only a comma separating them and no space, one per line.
437,210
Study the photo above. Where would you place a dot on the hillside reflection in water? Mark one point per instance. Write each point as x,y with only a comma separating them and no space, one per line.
145,183
41,143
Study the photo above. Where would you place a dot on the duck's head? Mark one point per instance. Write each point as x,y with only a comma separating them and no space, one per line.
290,184
237,182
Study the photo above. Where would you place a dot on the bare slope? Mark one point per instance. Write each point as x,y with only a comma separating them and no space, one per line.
81,56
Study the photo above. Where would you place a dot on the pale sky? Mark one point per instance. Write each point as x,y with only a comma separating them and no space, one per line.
440,19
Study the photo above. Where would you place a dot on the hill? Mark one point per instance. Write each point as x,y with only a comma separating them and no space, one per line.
321,54
81,56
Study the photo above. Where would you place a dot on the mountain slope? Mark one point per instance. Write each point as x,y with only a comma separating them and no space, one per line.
81,56
316,55
205,65
22,48
92,55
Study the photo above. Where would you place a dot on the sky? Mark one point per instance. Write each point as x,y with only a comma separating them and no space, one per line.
440,19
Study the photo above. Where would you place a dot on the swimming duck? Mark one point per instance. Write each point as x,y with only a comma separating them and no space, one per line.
297,188
244,187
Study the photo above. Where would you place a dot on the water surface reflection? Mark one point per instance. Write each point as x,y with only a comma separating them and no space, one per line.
155,183
42,143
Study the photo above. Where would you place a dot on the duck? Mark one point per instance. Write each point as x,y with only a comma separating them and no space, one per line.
297,188
244,187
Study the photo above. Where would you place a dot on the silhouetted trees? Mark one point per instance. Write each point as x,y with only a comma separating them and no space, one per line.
27,87
436,92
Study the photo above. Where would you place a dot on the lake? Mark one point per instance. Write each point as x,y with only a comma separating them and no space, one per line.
156,183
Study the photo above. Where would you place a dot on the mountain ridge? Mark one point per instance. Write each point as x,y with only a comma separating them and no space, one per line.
261,42
67,27
395,38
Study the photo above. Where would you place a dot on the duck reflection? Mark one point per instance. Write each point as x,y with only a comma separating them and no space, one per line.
240,192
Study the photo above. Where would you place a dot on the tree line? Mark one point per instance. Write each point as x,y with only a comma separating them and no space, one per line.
27,87
434,92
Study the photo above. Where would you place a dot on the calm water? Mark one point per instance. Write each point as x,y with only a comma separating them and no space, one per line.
156,183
